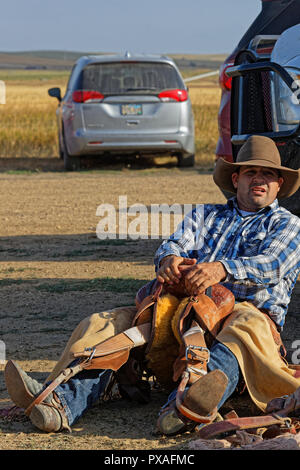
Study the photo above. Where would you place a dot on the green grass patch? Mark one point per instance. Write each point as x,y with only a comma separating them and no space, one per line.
10,282
16,251
18,270
21,172
112,242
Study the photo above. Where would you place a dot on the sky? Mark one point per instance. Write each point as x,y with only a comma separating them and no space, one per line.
141,26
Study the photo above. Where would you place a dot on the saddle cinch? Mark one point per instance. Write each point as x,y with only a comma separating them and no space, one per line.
169,339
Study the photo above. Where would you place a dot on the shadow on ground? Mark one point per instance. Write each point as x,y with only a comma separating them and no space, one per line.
105,163
76,247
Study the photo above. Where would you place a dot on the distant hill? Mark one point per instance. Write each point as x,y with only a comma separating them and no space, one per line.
201,61
64,60
39,59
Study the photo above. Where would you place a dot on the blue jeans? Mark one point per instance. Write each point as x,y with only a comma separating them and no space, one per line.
82,391
222,358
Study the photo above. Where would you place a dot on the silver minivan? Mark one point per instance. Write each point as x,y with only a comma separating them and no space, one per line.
125,105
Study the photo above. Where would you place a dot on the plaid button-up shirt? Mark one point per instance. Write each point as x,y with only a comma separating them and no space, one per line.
260,251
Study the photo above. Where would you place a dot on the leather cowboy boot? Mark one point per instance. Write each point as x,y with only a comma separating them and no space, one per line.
198,405
47,416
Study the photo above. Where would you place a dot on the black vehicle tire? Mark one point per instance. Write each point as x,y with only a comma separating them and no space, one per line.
227,194
185,161
290,157
71,163
60,148
292,203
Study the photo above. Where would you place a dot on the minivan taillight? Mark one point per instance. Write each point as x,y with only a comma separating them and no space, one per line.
173,95
82,96
224,80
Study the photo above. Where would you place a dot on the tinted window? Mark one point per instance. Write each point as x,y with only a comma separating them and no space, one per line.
123,77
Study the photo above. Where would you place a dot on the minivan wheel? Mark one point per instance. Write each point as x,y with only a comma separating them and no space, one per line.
71,163
184,161
60,148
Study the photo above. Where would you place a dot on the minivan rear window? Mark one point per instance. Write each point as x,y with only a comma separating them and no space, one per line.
124,77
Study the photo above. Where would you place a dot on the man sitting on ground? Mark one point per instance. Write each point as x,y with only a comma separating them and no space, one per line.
251,246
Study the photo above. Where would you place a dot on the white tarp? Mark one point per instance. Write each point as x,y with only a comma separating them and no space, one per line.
287,48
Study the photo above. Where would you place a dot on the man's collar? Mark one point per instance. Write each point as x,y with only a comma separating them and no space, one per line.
233,204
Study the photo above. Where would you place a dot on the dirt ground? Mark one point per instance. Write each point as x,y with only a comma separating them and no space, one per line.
55,271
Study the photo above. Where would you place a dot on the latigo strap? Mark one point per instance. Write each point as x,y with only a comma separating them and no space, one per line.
229,426
112,354
65,375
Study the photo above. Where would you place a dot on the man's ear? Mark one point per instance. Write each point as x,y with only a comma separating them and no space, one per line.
280,182
234,179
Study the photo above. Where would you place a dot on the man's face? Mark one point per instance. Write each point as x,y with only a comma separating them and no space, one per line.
256,186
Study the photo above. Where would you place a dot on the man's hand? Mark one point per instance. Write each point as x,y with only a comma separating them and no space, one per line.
169,268
203,275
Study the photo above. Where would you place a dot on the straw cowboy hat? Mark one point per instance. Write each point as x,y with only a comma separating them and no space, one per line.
257,151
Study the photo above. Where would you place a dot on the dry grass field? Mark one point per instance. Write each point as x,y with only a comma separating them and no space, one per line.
205,96
28,125
28,122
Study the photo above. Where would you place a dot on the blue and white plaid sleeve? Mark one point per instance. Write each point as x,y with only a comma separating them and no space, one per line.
278,257
183,240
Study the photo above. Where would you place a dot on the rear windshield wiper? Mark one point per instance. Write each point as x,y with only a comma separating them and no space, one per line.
141,89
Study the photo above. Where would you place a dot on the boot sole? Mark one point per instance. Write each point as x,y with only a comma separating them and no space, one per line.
170,424
204,395
16,386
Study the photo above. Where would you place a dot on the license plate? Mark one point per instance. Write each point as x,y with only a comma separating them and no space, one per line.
131,109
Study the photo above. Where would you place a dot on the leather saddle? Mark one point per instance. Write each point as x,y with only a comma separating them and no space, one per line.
199,320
